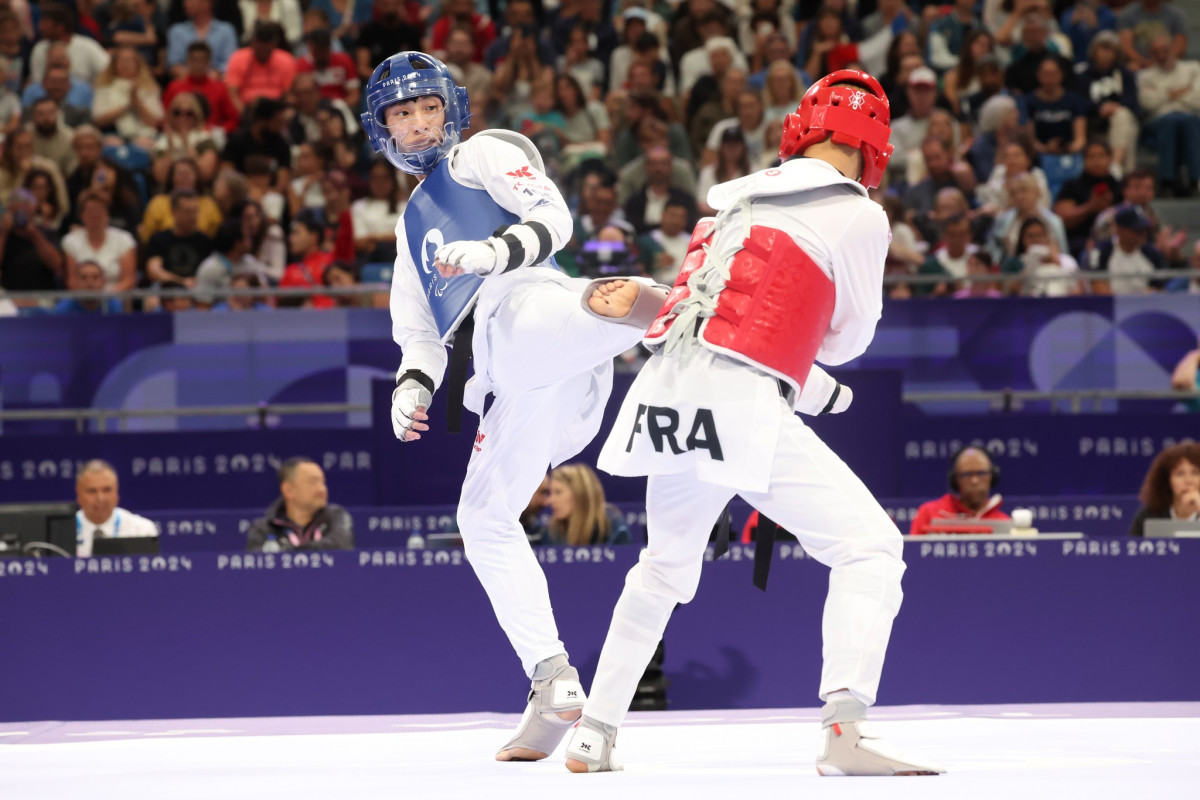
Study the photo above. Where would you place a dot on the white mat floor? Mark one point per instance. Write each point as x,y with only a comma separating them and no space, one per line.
1011,752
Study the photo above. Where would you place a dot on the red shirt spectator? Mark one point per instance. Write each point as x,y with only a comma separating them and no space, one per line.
222,113
972,478
309,272
949,508
461,13
263,69
250,78
304,242
335,73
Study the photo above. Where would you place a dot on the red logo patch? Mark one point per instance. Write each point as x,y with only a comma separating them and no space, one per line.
479,437
772,173
523,172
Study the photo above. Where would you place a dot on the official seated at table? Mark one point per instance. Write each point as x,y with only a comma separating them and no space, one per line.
302,518
973,477
578,513
99,515
1172,487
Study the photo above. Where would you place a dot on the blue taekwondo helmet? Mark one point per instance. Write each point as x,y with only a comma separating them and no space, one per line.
406,76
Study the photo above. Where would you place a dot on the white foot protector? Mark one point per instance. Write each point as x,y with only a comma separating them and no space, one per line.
850,747
593,748
556,689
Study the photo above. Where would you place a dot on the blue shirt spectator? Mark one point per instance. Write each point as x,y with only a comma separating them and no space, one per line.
1083,21
79,95
221,37
1053,119
70,305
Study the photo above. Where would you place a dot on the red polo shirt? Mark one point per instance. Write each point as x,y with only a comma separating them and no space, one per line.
947,508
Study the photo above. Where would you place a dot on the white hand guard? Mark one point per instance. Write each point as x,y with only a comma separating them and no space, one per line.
840,402
479,258
410,395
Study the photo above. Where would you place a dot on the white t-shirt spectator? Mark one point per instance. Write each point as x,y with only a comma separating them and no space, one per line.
755,137
108,255
373,217
129,125
674,246
1060,288
1130,270
88,59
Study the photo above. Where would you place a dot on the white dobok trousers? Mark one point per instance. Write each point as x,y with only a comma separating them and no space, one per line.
549,366
812,494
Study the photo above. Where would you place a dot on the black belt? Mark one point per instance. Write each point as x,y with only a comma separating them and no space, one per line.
456,378
764,544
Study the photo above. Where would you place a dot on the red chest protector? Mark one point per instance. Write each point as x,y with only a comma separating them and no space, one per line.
773,312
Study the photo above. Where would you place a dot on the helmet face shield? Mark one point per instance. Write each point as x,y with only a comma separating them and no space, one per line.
416,125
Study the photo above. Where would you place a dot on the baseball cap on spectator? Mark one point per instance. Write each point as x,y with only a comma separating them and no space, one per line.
922,76
1131,217
1102,39
637,12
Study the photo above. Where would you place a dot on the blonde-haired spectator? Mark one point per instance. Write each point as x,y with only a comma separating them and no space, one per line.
127,100
1018,157
1023,199
184,136
579,515
782,90
17,159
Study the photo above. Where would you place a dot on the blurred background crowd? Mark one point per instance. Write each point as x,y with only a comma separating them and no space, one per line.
191,147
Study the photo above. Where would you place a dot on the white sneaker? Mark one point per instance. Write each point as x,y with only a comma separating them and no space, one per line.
593,748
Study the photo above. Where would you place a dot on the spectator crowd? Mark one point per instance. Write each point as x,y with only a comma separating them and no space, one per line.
198,146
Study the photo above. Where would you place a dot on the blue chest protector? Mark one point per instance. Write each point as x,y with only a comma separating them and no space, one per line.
442,210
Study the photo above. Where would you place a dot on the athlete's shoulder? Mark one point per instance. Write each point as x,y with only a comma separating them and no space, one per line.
499,143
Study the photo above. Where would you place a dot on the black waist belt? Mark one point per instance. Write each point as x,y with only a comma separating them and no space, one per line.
764,545
456,378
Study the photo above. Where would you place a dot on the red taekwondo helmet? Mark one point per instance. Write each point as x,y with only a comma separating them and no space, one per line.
856,113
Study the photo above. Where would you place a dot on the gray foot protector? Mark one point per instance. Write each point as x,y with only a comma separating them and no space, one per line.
593,745
851,748
645,308
541,728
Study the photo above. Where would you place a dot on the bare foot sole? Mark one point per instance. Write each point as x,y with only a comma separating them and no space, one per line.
576,766
614,299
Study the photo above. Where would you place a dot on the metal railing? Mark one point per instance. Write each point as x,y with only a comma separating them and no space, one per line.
366,290
1006,400
260,412
1009,400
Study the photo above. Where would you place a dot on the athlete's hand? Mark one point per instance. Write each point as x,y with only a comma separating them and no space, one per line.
410,402
478,258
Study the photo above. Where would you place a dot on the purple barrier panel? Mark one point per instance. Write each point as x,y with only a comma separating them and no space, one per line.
381,527
1078,454
188,470
389,632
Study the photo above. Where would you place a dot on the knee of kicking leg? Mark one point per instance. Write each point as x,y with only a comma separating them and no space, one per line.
677,583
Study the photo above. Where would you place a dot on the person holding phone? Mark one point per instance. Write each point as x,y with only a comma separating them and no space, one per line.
1082,199
29,259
